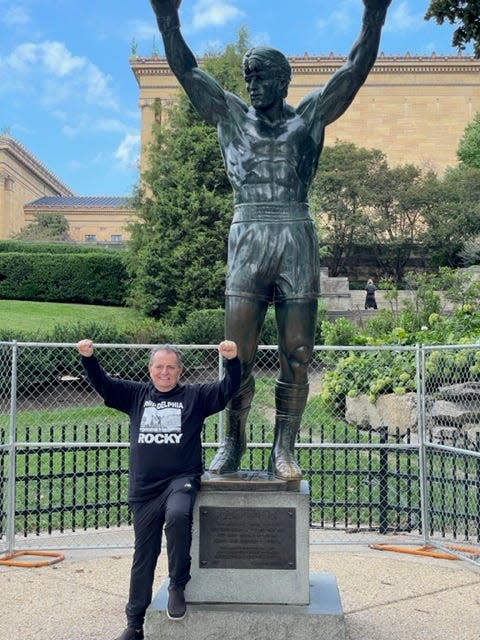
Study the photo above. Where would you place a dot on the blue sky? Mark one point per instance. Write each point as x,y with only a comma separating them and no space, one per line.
67,92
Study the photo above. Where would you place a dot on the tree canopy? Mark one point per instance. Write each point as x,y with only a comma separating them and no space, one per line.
360,201
468,151
46,227
465,14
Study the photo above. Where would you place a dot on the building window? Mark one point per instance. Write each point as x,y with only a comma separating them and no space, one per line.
116,237
8,183
90,237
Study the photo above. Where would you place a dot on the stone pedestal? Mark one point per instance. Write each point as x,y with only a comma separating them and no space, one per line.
322,619
250,546
250,568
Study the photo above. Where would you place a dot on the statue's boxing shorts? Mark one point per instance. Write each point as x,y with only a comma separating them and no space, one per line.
273,253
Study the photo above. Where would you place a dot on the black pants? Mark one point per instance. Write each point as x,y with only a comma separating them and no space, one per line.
172,508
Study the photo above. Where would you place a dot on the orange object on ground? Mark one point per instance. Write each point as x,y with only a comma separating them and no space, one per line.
11,559
429,550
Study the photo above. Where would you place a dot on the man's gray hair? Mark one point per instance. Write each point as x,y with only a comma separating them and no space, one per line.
167,348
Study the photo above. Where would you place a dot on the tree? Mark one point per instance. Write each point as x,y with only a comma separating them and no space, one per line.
46,227
465,14
454,215
178,247
470,253
400,198
338,196
454,225
468,151
361,201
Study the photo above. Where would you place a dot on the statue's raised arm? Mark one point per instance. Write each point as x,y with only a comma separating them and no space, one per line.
206,95
337,95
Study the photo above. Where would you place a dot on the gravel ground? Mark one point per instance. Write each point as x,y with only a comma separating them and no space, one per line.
385,595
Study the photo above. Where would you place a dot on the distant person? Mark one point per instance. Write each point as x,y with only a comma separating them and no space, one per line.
165,464
271,151
370,301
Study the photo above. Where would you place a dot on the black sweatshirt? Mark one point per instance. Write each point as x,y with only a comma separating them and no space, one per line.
165,427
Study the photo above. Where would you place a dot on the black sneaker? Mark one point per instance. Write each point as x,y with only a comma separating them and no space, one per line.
131,634
176,607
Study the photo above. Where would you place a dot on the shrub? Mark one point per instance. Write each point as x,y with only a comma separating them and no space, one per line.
17,246
342,332
205,326
89,278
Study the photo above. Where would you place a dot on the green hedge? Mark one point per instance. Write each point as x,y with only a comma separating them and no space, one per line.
14,246
201,327
97,277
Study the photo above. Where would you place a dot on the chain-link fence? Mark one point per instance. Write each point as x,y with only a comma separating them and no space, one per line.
389,444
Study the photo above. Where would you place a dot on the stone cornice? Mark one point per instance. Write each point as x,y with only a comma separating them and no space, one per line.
329,64
390,64
25,158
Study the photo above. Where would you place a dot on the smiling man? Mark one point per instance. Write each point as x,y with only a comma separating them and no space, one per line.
165,464
271,151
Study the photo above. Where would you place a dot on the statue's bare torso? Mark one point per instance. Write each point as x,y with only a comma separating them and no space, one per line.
265,162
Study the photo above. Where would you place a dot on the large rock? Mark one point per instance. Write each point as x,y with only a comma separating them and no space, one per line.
452,414
465,392
390,410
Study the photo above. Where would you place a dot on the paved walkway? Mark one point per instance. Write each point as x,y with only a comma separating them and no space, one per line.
385,595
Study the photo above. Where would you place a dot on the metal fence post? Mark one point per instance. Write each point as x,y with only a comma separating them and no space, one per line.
383,510
221,415
12,447
422,454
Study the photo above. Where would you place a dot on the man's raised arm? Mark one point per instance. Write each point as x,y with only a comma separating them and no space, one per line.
343,86
206,95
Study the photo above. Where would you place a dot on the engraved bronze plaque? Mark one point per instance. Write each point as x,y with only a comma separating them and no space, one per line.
247,538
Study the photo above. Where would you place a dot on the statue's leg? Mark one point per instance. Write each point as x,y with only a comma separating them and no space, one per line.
229,454
296,320
243,320
290,400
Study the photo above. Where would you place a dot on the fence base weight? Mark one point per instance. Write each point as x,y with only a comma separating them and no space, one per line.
11,559
428,550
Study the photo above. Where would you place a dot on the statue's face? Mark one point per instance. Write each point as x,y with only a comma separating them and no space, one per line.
264,88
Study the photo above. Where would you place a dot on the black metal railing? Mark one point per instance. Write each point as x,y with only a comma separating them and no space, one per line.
71,478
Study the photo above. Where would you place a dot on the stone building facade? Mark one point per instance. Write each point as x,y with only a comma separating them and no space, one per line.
414,109
23,178
28,188
91,219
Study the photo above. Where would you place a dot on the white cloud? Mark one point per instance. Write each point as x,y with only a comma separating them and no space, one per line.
49,69
109,125
346,15
402,18
14,16
58,60
141,30
88,124
22,58
208,13
128,151
342,18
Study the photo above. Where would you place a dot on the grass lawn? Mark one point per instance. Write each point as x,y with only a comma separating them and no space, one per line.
28,316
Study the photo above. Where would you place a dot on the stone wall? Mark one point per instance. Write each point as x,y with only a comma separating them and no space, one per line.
23,178
413,108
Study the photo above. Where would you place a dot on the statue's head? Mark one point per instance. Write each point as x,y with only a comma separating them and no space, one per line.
267,59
